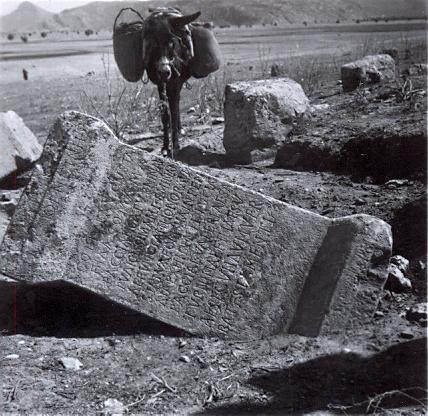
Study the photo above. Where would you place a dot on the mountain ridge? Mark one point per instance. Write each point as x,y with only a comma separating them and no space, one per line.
99,15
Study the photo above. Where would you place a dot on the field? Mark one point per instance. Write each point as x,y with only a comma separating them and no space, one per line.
378,369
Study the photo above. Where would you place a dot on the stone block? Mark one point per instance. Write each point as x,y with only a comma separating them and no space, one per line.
19,147
204,255
259,114
370,69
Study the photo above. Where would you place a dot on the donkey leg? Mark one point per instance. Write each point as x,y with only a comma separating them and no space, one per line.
165,117
174,104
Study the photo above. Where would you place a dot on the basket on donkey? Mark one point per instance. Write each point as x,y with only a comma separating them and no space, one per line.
128,47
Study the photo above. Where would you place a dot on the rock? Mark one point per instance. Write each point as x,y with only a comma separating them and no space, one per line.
401,262
114,407
259,115
396,281
319,107
370,69
396,183
185,359
417,313
70,363
205,150
19,146
11,357
217,120
204,255
407,335
409,225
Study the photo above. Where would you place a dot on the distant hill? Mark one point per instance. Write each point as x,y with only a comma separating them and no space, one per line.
100,15
28,17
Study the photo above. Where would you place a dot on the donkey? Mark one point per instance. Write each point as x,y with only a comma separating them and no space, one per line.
167,52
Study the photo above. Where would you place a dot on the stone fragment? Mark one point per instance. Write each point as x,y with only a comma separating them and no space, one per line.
401,262
397,282
205,255
370,69
19,146
114,407
417,313
407,334
206,149
70,363
184,358
11,357
259,115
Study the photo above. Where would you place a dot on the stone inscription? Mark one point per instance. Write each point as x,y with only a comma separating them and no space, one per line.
204,255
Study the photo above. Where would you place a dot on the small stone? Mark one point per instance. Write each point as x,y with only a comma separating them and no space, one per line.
182,343
417,313
396,183
70,363
202,363
12,357
113,407
359,201
401,262
406,335
379,314
185,359
396,281
217,120
191,110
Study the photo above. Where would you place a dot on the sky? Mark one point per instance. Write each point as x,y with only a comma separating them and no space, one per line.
7,6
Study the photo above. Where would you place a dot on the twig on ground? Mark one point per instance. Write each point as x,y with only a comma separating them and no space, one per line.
162,381
374,402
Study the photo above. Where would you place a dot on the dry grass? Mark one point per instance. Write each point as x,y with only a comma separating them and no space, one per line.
127,107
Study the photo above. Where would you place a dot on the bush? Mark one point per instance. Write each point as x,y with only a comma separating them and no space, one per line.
43,34
89,32
10,36
24,38
305,23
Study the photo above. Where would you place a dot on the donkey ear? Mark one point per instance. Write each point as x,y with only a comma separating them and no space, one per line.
180,21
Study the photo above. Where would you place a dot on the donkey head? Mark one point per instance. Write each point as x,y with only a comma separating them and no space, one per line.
163,52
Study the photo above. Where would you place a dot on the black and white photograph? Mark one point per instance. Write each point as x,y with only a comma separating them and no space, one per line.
213,207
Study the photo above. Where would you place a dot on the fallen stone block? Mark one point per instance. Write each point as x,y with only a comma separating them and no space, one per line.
204,255
259,114
19,146
368,70
397,282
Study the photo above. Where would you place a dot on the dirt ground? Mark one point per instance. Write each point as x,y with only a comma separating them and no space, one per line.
154,369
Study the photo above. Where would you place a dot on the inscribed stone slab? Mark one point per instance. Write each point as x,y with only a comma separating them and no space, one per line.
202,254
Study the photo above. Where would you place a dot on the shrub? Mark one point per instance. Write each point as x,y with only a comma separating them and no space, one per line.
43,34
305,23
10,36
24,38
89,32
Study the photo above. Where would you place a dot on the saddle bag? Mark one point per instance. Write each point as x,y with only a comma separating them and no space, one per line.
207,55
128,47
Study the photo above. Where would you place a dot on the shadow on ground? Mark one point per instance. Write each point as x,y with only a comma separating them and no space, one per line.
346,381
61,309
